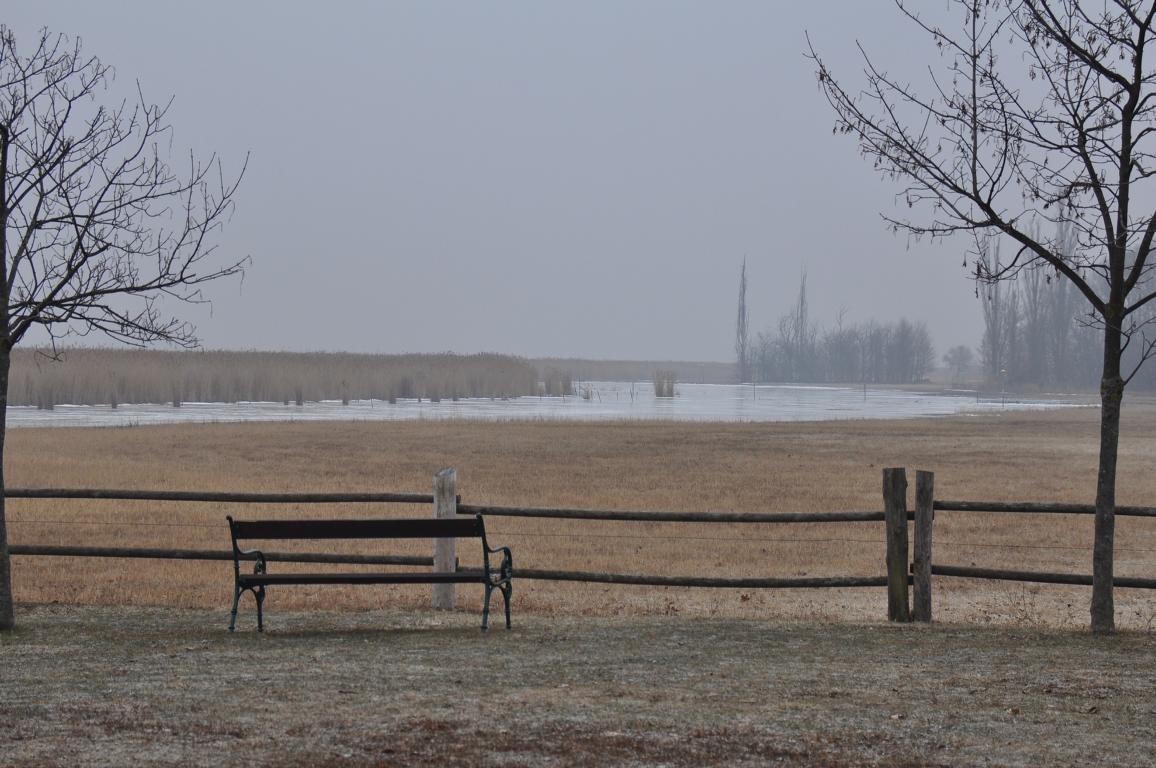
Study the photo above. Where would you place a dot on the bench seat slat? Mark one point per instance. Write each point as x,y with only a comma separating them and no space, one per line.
269,579
421,528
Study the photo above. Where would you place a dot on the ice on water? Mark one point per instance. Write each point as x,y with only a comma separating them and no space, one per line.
606,401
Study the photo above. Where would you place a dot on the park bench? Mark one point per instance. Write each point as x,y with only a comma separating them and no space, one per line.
426,528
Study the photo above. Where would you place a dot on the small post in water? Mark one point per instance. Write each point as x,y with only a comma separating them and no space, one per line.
445,550
895,516
921,564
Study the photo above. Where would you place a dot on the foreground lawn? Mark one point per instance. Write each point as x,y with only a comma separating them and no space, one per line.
115,685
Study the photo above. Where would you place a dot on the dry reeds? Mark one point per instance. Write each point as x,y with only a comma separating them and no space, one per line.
96,376
557,383
664,383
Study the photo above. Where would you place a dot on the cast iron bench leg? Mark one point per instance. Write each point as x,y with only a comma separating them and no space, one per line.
486,608
506,590
233,616
259,593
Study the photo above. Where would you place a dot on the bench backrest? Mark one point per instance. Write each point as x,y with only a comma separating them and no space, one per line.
420,528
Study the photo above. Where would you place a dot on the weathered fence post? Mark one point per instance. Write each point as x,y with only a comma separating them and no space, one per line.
895,516
921,564
445,550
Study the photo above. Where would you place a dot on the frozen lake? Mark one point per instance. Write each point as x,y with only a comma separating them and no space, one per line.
606,401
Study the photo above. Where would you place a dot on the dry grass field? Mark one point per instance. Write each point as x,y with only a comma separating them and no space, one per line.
643,466
128,662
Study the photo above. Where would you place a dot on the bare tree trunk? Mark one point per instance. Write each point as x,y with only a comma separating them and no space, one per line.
1111,397
742,331
7,614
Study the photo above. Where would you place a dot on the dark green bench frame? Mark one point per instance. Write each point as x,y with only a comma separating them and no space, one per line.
424,528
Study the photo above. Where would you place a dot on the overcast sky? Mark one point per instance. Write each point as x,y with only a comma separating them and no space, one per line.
540,178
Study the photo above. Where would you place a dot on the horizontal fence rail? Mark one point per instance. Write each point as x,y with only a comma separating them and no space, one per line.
1037,508
1036,576
693,581
219,496
671,517
214,554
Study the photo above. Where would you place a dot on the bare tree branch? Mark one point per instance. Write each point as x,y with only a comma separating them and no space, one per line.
96,217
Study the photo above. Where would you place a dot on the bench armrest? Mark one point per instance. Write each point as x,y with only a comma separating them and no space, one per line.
260,565
258,555
506,568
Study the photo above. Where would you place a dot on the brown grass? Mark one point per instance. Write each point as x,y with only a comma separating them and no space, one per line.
98,686
645,466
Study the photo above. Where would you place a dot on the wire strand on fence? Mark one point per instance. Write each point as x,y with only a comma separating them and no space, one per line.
990,545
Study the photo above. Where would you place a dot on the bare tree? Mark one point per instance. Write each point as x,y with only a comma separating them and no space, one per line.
922,353
958,360
1037,111
742,330
1063,308
1013,366
876,339
797,334
98,233
1034,312
841,351
993,347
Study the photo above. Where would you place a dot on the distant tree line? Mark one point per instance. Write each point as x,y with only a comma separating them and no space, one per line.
1037,332
799,350
686,371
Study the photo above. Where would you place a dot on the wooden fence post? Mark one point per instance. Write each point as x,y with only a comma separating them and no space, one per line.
895,516
921,564
445,550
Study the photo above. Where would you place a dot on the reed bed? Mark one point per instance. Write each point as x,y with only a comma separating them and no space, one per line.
640,466
98,376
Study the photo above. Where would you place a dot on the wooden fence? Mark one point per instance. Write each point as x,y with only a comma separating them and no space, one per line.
923,566
447,504
904,571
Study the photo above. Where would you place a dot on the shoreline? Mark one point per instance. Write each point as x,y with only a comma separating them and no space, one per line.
599,402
